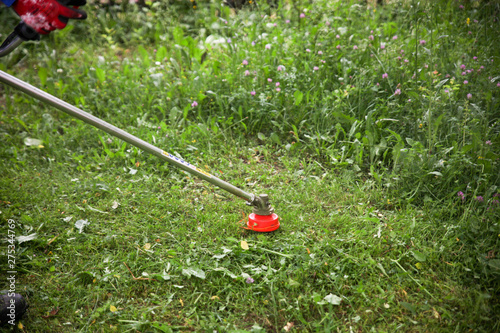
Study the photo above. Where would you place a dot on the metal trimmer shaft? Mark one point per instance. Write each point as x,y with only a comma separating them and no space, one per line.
262,205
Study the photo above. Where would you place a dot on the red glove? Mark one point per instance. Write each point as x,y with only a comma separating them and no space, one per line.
45,16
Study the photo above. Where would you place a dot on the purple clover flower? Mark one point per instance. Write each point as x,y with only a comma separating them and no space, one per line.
479,198
461,195
385,76
194,104
249,280
245,62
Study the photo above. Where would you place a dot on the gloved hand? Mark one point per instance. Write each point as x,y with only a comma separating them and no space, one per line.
45,16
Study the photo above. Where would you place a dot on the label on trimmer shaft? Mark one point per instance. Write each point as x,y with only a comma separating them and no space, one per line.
189,165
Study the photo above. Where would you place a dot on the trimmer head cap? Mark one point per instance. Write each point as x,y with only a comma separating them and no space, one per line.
263,223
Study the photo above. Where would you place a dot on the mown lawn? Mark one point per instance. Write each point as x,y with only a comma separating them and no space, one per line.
374,130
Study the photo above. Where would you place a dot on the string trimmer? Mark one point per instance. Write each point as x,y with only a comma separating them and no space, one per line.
262,219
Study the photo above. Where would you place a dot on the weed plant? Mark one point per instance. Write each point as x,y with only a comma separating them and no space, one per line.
375,131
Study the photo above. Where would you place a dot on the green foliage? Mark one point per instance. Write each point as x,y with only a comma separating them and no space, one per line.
356,120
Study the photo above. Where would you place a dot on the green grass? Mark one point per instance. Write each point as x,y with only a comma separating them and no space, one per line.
373,236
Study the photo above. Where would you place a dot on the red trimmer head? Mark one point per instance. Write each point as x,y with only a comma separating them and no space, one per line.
263,218
263,223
